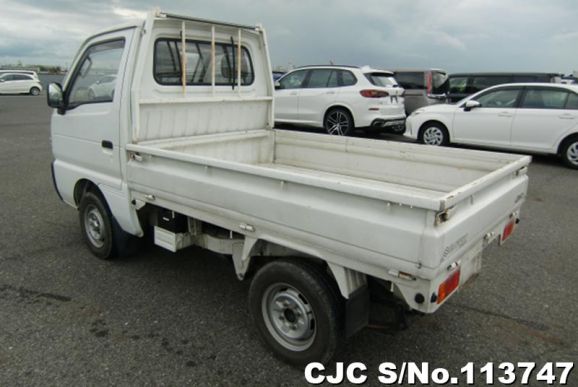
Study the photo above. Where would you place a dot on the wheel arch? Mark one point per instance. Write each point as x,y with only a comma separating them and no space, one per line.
339,106
564,140
425,124
123,212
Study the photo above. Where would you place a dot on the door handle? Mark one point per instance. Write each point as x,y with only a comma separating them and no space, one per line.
293,93
330,92
566,117
106,144
504,114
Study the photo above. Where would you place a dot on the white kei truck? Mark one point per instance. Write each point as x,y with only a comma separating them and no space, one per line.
164,127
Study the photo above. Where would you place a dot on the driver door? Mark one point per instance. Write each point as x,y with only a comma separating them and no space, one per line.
287,96
86,138
489,124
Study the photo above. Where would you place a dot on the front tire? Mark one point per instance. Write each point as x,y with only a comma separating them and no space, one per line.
434,133
338,121
569,152
100,231
35,91
297,311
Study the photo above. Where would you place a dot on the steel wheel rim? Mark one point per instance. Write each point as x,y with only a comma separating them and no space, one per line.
288,317
572,154
433,136
337,123
35,91
94,226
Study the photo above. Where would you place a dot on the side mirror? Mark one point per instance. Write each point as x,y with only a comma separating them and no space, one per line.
55,97
2,80
471,104
278,85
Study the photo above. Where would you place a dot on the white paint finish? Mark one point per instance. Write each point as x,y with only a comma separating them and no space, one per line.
525,129
483,126
542,129
367,207
308,106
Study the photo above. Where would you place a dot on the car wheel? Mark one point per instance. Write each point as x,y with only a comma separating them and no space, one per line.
569,152
296,311
338,121
101,232
34,91
434,134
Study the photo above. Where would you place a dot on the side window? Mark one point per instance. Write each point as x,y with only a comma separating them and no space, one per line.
504,98
293,80
458,85
333,81
318,78
483,82
20,77
347,78
572,102
544,99
99,62
167,63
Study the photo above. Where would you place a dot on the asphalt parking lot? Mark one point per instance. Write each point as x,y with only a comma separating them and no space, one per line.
159,318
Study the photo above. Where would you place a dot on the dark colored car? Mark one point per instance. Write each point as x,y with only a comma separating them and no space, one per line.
461,85
422,87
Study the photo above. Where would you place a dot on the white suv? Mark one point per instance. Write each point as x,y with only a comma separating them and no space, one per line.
340,98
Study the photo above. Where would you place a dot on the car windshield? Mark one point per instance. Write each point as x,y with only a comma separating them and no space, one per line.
382,79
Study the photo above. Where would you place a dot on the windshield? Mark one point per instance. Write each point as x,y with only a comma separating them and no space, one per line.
382,79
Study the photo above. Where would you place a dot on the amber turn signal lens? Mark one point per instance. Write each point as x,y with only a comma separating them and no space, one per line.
448,286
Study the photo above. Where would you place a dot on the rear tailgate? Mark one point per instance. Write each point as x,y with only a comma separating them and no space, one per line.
477,212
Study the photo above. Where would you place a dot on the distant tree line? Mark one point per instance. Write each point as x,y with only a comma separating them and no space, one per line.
37,68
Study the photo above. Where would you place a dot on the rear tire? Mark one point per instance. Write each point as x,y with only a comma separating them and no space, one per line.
434,133
338,121
569,152
297,311
35,91
100,231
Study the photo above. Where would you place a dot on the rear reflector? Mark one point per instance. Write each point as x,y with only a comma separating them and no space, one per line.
448,286
508,230
370,93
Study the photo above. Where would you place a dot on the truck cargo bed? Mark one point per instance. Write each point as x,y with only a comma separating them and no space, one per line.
409,174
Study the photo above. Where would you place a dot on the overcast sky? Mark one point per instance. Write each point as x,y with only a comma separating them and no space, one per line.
456,35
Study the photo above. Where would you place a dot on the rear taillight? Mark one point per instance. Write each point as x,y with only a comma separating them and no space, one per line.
428,82
508,230
370,93
448,286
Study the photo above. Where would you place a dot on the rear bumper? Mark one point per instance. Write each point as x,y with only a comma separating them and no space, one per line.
394,126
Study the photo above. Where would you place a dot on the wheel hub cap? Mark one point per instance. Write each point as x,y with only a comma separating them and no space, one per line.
93,223
433,136
572,153
337,123
288,317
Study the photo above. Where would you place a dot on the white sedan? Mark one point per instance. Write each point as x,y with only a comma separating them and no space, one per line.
532,117
19,83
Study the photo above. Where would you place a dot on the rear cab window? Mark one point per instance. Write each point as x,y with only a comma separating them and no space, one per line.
168,63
